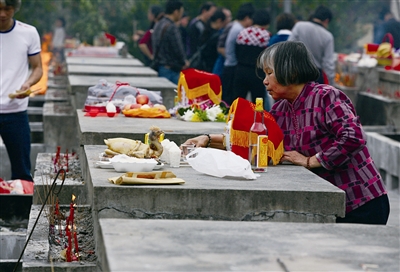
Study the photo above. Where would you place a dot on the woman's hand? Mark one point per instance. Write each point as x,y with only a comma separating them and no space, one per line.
295,158
199,141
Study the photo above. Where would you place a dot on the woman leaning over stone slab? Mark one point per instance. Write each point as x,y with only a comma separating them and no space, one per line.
321,131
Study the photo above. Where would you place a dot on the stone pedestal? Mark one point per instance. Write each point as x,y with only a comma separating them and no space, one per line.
59,126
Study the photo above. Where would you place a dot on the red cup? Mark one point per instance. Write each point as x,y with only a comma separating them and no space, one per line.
93,112
111,114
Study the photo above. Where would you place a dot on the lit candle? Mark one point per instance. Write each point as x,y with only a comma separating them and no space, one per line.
76,241
69,247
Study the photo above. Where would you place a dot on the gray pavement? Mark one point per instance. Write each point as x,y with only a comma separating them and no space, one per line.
176,245
394,217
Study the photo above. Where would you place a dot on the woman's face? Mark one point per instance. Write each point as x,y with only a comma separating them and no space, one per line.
276,90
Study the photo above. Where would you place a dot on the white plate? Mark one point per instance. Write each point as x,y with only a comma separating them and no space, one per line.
158,166
104,164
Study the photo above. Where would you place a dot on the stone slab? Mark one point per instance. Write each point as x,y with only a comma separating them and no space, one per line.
56,95
103,61
93,130
97,70
375,109
78,87
36,254
59,126
44,177
286,193
172,245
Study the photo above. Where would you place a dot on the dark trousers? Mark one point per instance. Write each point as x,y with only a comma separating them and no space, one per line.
227,78
248,79
16,135
375,212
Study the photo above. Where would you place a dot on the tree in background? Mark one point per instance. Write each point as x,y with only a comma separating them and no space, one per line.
88,18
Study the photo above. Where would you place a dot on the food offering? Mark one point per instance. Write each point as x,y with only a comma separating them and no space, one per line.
145,109
135,148
26,93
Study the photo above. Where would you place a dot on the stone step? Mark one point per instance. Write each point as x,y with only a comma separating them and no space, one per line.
35,114
36,132
36,126
36,101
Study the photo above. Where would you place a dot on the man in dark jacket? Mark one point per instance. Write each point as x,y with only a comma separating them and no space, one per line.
167,43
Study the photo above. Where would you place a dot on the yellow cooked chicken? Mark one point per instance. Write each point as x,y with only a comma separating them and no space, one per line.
135,148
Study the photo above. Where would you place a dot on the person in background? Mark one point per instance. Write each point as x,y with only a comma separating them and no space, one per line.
154,14
20,48
166,36
321,131
209,39
319,41
183,23
243,20
250,42
196,27
223,34
392,26
284,24
58,40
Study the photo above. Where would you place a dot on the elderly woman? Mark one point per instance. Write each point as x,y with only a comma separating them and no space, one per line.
321,131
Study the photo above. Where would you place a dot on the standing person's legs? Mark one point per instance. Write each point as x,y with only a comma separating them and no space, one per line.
168,74
227,78
240,85
16,135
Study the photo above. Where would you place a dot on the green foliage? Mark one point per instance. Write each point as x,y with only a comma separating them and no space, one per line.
90,17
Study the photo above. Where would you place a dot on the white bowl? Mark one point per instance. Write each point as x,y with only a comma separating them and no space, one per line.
123,163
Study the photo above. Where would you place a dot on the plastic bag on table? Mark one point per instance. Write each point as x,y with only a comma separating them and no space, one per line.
103,91
219,163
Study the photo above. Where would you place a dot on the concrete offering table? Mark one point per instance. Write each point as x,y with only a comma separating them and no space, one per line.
286,193
78,87
97,70
93,130
172,245
103,61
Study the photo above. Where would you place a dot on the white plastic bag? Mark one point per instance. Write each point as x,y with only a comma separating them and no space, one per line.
219,163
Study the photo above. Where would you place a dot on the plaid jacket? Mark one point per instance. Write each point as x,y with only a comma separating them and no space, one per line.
322,121
171,52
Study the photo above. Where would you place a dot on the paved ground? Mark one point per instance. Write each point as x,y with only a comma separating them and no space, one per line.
394,217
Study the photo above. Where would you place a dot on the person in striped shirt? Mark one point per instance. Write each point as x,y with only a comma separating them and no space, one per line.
322,131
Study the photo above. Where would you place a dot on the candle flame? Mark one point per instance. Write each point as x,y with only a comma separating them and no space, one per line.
73,197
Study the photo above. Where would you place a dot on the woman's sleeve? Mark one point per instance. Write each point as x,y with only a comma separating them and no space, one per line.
341,121
146,38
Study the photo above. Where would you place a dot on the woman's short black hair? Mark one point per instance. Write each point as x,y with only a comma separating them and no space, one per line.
16,4
285,21
261,17
245,10
291,62
218,14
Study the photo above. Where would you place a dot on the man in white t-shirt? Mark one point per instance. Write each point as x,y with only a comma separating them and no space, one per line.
20,47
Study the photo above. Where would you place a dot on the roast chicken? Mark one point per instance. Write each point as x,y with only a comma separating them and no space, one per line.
135,148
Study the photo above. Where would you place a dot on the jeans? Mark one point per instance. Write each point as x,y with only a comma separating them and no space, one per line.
16,135
168,74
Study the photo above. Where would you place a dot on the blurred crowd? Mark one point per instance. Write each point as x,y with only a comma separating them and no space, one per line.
215,42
